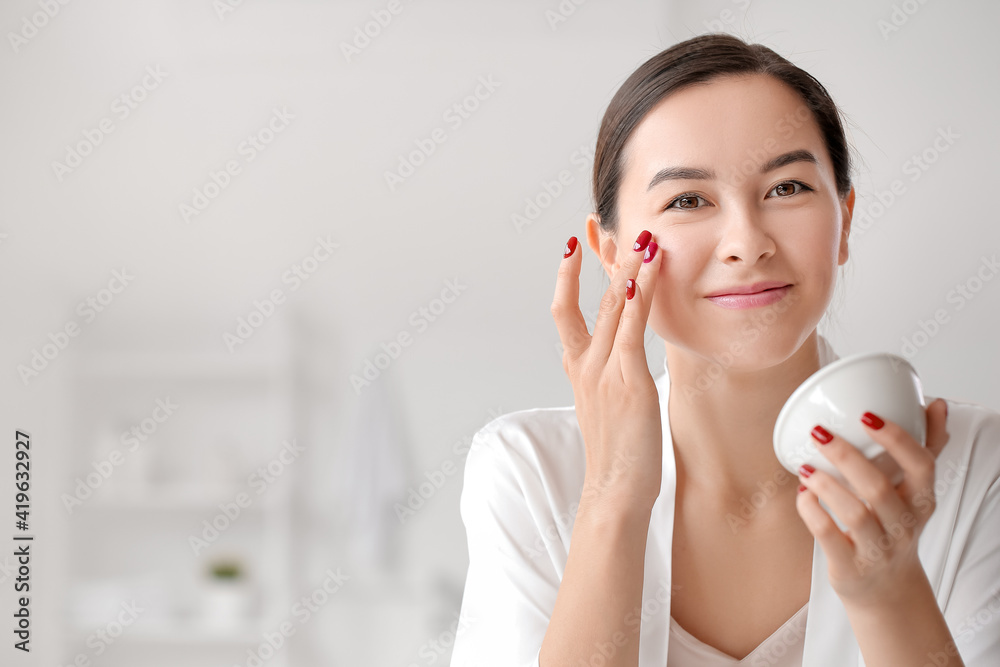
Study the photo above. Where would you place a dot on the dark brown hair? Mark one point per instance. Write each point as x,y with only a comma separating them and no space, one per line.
698,60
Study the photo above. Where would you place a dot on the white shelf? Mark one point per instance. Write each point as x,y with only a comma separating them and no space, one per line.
261,386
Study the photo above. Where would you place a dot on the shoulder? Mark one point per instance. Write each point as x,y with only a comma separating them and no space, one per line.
522,482
974,440
961,410
960,546
539,445
966,473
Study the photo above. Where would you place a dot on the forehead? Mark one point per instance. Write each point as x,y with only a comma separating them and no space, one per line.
730,125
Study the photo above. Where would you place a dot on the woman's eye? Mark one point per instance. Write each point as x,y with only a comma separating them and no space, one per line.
787,188
687,201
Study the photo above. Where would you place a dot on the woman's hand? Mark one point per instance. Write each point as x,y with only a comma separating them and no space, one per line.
617,404
875,562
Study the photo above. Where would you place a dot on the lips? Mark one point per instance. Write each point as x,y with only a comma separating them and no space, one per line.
752,300
753,288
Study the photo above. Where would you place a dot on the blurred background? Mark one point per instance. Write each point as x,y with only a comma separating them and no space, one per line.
268,265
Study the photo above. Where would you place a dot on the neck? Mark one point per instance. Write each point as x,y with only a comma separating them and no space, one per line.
723,433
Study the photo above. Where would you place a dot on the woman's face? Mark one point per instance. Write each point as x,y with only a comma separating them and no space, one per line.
733,224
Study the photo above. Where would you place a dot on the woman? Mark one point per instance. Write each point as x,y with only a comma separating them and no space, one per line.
721,168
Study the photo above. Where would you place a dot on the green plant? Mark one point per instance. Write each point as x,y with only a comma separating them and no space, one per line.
226,569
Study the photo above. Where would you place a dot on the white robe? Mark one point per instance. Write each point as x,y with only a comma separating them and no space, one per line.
523,480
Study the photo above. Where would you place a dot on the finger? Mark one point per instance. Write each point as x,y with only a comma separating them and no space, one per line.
917,463
836,545
868,482
609,315
631,336
862,525
937,423
566,303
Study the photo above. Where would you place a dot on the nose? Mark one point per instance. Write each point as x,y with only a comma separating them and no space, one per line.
744,238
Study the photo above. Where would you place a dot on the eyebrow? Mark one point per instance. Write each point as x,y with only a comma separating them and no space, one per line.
695,174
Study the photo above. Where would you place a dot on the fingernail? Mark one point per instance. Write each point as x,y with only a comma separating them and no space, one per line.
871,421
805,470
822,435
642,241
650,252
570,247
629,288
802,487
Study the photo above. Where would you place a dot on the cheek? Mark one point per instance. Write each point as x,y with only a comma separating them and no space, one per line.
813,253
816,234
686,254
670,311
675,276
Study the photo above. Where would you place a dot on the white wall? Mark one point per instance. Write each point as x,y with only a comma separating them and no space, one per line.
494,348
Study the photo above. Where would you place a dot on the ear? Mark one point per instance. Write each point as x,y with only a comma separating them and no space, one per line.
847,212
603,244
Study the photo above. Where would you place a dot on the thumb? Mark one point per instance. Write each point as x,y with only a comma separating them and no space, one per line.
937,434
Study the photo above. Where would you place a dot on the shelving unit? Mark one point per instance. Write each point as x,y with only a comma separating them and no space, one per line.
131,539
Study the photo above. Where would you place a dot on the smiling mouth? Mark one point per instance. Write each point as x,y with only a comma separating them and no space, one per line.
752,299
769,289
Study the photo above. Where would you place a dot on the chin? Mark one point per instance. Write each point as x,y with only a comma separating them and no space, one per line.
744,347
757,345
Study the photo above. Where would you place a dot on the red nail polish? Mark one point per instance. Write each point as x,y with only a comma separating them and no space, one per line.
872,421
805,470
822,435
629,288
570,247
642,241
802,487
650,252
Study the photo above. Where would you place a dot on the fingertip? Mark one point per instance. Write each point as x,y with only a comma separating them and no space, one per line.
802,500
942,411
651,252
629,289
570,247
642,242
